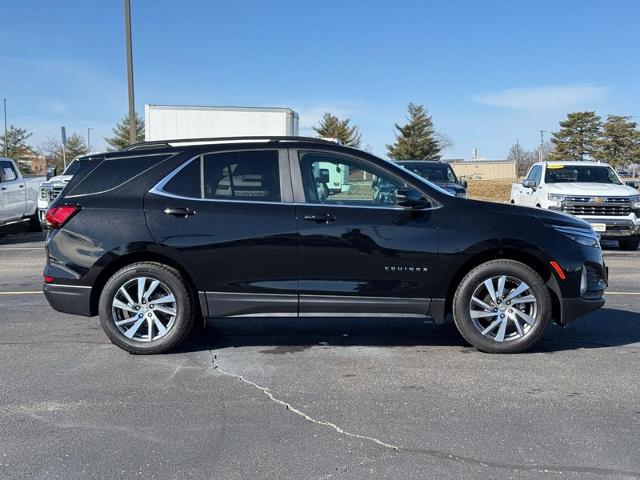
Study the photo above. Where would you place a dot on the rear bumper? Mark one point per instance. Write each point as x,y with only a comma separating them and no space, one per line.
69,298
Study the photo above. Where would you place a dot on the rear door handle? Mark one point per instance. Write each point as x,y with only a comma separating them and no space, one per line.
179,212
320,218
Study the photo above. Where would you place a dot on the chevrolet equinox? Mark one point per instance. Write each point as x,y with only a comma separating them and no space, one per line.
162,235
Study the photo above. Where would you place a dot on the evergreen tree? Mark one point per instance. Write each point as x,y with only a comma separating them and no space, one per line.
577,138
120,137
417,140
620,141
16,142
76,145
332,127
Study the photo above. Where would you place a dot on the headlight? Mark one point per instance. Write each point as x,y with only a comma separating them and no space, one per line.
45,192
635,202
584,236
555,197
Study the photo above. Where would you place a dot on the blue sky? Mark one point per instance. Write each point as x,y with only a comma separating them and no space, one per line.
489,72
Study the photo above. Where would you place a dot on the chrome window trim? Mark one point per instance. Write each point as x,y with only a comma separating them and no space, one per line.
158,188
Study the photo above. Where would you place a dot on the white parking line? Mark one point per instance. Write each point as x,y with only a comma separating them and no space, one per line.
2,249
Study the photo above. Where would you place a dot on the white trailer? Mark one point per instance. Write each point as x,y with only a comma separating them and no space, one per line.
167,122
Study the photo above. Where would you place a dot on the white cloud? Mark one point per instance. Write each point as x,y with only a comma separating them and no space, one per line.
543,98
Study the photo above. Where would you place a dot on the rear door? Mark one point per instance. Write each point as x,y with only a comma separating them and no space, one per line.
12,193
229,217
360,254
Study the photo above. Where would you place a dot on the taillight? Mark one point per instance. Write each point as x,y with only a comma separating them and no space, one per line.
58,215
48,278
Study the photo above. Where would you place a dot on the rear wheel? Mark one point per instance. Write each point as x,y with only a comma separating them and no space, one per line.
502,306
630,244
147,308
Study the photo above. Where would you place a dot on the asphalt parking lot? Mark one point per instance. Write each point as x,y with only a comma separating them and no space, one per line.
330,398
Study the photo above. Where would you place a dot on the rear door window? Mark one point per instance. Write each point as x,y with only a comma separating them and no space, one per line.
251,175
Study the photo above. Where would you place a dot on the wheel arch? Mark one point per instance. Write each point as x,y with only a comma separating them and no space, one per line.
141,256
504,253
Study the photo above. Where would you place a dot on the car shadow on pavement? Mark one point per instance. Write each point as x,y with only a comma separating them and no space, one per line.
18,234
603,329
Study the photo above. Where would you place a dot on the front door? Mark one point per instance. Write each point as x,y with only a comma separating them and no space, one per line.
230,218
360,254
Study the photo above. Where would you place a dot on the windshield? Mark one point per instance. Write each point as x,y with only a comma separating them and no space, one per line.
580,174
434,172
72,168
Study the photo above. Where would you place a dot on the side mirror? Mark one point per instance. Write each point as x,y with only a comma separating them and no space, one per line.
464,183
632,184
529,184
412,198
324,176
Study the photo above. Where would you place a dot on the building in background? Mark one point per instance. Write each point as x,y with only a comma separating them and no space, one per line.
484,169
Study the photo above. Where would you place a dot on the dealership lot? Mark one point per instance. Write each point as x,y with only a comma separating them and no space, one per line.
328,398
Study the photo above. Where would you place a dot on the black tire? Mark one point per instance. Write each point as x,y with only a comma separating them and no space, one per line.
185,307
34,223
631,244
474,279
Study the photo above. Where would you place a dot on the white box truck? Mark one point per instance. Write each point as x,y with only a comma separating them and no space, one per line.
167,122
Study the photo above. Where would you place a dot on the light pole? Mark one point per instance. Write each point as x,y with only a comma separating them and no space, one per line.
132,108
6,136
89,139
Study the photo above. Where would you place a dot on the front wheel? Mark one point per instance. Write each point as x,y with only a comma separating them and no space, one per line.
502,306
147,308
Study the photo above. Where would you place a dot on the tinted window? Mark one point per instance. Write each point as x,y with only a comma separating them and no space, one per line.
113,173
434,172
186,183
341,180
248,175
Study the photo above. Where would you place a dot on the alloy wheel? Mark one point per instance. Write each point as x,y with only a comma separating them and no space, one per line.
503,308
144,309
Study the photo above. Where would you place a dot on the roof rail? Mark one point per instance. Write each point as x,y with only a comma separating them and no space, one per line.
267,139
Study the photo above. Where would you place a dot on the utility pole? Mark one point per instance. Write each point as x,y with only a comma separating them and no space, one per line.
89,139
132,107
540,150
6,136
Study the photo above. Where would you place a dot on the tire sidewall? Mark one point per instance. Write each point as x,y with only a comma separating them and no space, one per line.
184,308
474,278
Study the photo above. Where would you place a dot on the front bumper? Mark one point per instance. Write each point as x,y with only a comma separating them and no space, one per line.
572,308
72,299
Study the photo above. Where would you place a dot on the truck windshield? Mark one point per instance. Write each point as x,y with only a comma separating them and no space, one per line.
72,168
580,174
434,172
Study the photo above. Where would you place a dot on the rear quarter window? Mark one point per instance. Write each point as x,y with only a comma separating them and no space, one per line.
110,174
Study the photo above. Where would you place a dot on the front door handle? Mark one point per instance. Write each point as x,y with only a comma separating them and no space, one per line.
179,212
320,218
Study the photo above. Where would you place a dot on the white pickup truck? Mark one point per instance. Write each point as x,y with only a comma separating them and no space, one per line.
589,190
18,195
51,188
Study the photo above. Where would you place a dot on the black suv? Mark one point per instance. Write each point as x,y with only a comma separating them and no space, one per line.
439,173
163,235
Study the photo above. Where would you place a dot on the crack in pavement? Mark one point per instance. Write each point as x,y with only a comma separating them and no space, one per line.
437,454
307,417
